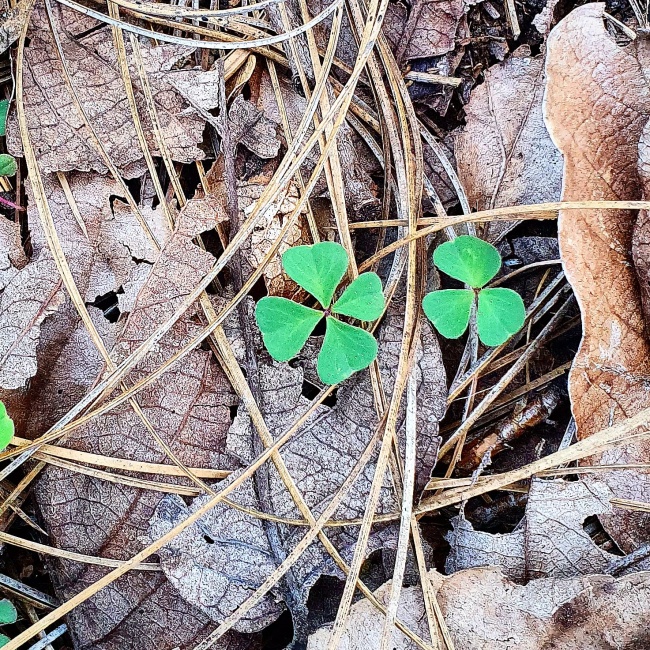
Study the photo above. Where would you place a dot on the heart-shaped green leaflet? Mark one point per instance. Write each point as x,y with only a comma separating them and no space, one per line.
449,310
501,313
4,639
8,613
4,107
468,259
6,427
8,166
363,299
285,325
346,349
318,268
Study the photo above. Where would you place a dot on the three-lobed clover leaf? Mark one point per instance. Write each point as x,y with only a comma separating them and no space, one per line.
286,325
8,615
6,431
500,312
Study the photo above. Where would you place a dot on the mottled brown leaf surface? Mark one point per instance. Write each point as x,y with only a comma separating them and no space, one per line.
597,104
215,563
61,141
504,154
549,543
190,408
483,610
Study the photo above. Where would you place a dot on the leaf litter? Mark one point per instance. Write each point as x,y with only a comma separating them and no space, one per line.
137,250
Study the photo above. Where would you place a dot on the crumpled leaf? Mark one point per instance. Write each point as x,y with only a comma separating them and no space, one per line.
318,457
189,408
504,154
12,255
549,543
60,139
483,610
597,106
425,30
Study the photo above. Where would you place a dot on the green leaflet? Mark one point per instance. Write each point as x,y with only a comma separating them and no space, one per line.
501,313
346,349
8,165
363,299
449,310
4,108
4,639
285,326
468,259
6,431
318,268
8,612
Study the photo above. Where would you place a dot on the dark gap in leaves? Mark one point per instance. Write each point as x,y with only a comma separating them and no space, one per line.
115,197
599,536
109,306
233,411
500,515
135,187
278,635
319,330
190,179
311,391
208,539
258,290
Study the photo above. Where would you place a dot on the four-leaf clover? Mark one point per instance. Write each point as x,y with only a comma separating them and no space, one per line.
286,325
6,428
501,312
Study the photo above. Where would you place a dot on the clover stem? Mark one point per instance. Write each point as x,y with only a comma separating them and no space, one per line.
327,312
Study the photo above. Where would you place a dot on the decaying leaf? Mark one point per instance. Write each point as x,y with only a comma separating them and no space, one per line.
190,409
61,140
483,610
425,30
11,22
597,105
549,543
505,156
209,563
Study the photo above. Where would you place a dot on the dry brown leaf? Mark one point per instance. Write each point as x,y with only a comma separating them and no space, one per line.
597,104
549,543
505,156
215,563
11,23
483,610
189,408
60,138
425,30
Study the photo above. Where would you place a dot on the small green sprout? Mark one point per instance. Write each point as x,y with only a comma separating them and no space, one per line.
8,615
286,325
6,431
501,312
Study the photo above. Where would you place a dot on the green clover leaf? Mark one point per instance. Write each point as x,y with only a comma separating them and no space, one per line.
286,325
468,259
4,639
8,613
8,165
6,432
500,312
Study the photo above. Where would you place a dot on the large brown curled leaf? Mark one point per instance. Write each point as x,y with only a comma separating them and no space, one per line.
597,105
216,562
504,154
61,140
189,408
483,610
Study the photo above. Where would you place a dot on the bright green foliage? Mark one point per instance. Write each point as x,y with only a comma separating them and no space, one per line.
346,349
4,107
363,299
468,259
8,613
4,639
449,310
500,312
8,166
6,433
286,325
317,269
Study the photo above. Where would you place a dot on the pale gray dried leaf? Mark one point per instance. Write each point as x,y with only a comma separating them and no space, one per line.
550,541
318,457
597,105
189,407
12,255
483,610
61,140
425,30
505,155
251,128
